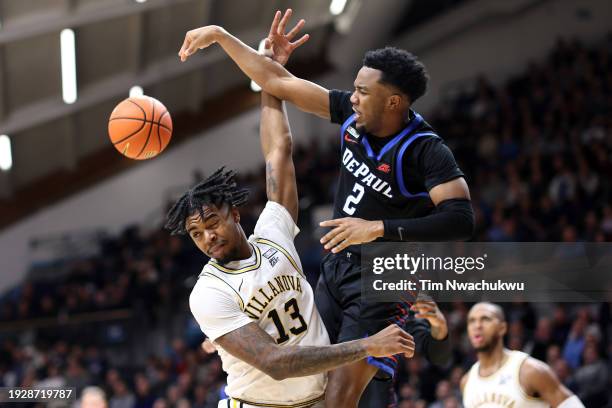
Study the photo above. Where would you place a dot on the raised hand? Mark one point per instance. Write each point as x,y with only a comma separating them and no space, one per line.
350,231
198,39
278,45
390,341
429,311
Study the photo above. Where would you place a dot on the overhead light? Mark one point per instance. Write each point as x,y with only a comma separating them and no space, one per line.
260,49
136,91
68,57
6,157
337,7
140,1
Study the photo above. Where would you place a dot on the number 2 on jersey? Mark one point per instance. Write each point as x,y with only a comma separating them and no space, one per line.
294,314
353,199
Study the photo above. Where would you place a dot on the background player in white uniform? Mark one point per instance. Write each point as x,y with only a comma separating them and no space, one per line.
252,299
504,378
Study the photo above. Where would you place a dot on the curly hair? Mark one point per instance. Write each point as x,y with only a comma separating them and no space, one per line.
400,69
217,189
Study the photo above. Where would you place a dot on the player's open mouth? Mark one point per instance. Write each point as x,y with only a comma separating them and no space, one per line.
357,113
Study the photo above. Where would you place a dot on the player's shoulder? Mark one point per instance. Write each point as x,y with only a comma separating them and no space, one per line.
211,288
536,375
534,369
208,281
275,221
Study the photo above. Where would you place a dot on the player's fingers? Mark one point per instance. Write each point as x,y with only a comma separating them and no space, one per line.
330,235
301,41
336,240
184,47
425,315
283,23
275,21
331,223
406,335
423,306
295,30
342,246
407,345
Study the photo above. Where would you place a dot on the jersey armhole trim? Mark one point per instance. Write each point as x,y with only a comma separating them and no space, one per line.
518,382
235,291
400,159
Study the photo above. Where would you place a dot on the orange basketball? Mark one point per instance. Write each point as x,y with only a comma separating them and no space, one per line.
140,127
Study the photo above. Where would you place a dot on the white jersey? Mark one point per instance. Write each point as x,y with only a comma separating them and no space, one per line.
500,389
268,288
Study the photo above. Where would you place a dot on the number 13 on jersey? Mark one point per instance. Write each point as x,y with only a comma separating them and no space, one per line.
353,199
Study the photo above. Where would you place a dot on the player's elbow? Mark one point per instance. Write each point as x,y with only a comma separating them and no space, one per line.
460,215
276,84
284,145
274,370
278,375
468,225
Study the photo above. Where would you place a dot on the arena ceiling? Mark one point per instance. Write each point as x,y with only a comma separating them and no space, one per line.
59,147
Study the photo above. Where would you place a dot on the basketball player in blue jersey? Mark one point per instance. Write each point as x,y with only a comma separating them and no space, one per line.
252,299
398,182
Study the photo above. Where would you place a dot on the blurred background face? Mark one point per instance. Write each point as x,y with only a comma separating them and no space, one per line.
485,329
93,399
369,100
218,234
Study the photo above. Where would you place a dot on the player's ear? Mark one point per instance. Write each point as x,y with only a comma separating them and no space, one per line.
504,328
394,102
235,214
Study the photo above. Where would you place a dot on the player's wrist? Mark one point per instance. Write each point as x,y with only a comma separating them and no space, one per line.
377,228
218,33
367,346
439,332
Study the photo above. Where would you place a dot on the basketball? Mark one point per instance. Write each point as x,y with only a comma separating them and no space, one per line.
140,127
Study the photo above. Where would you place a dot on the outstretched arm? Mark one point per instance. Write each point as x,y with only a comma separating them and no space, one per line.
271,76
276,143
251,344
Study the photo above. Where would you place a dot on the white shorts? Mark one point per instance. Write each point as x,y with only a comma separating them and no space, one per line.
232,403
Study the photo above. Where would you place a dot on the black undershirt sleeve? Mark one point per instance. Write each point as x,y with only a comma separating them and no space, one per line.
340,107
453,220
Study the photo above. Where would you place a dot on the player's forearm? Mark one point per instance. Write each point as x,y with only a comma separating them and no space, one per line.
259,68
274,127
452,221
298,361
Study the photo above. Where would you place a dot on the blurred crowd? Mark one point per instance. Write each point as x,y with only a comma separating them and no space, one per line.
537,154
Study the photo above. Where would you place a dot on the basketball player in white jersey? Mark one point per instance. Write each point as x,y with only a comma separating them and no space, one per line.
252,299
503,378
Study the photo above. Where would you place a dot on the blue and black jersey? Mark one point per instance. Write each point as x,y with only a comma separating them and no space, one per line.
390,177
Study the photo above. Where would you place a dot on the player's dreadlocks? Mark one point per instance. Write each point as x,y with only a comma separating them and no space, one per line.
217,189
